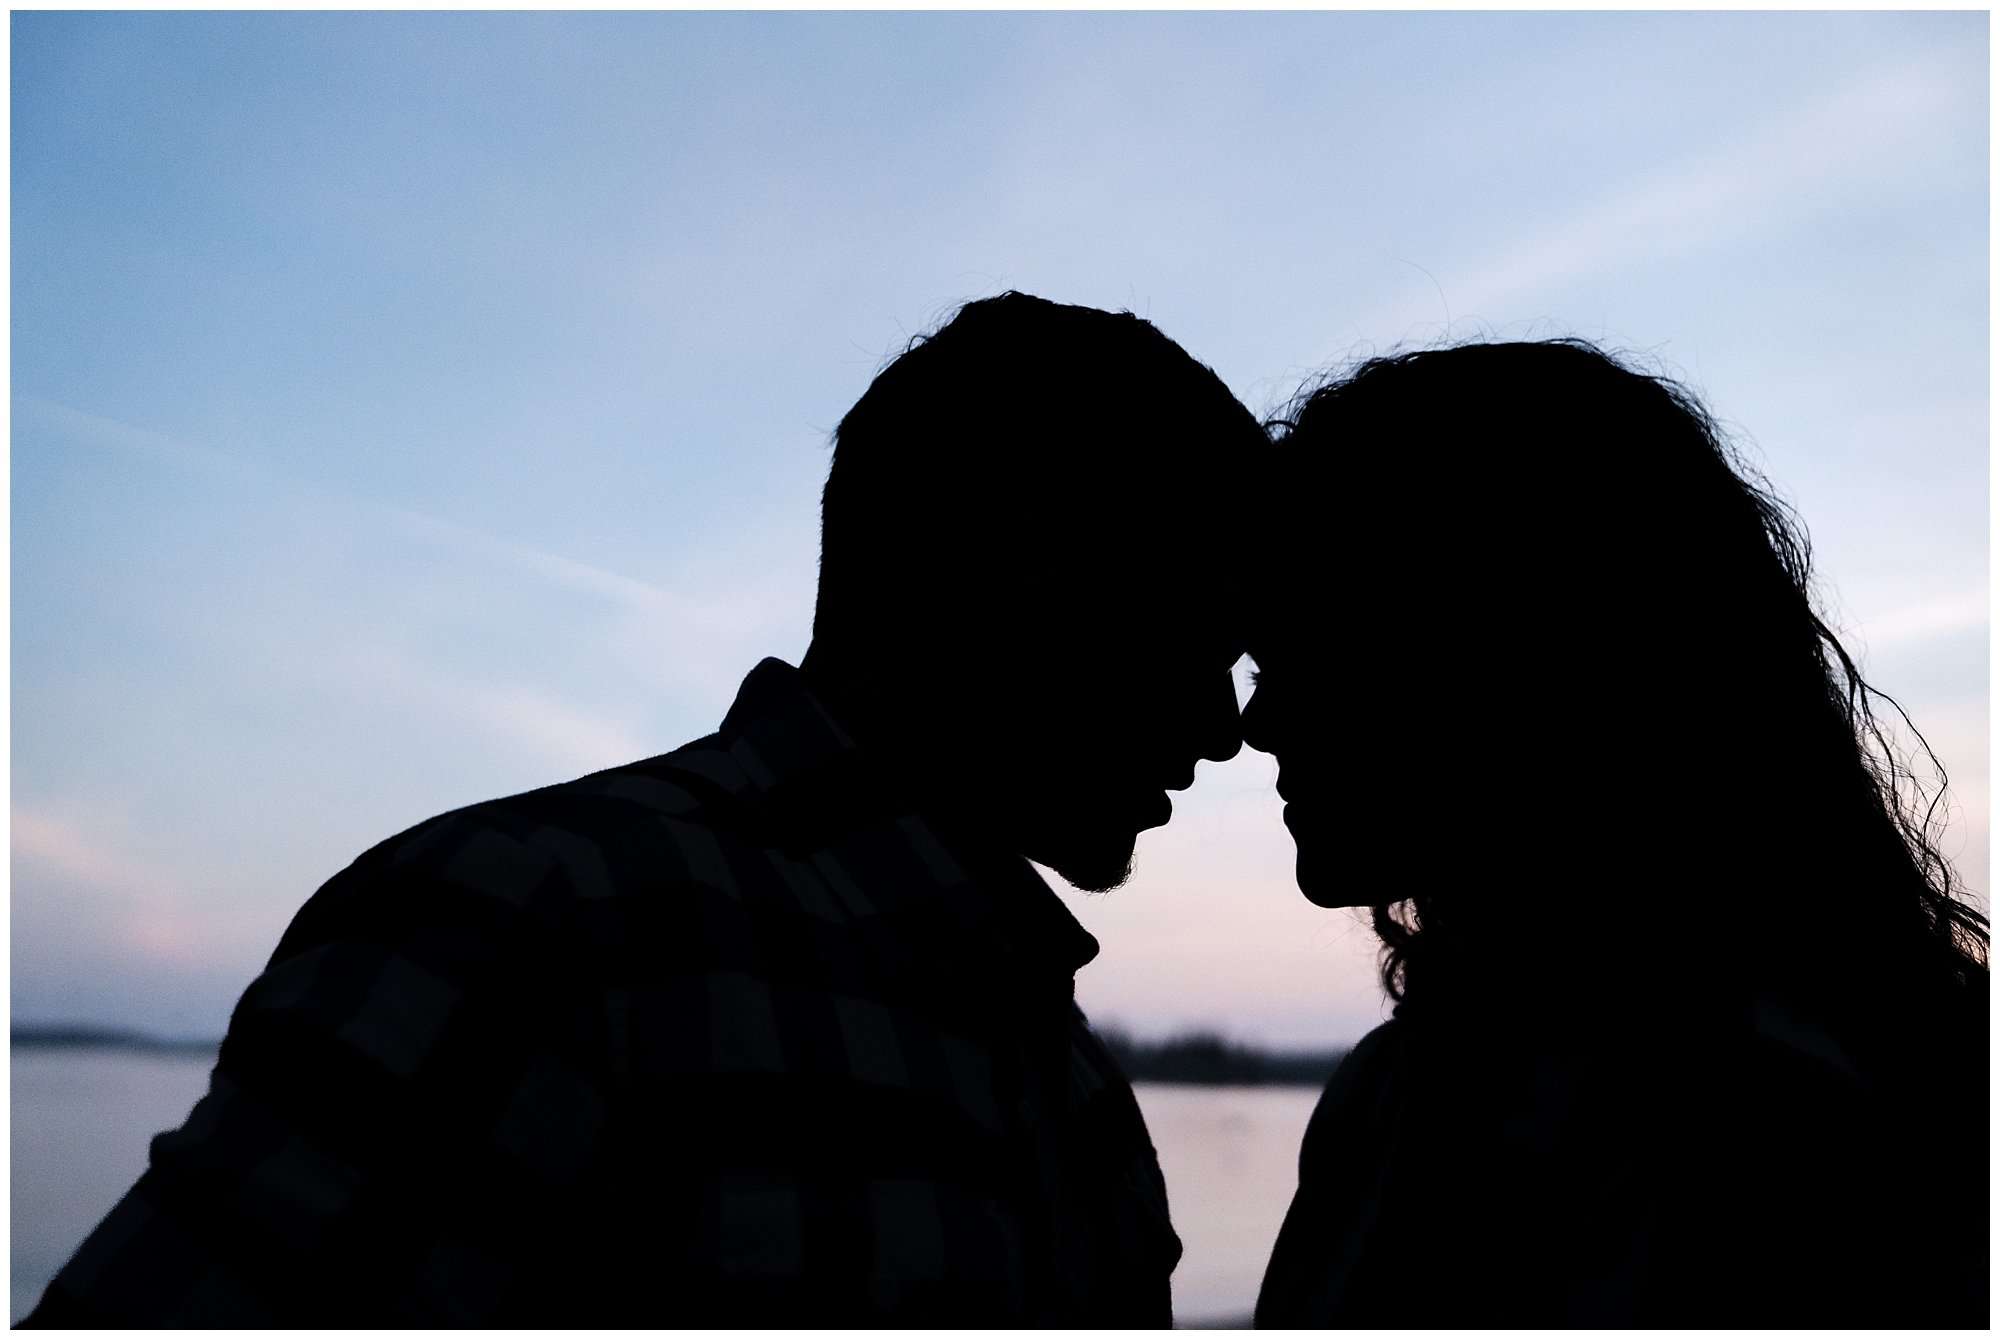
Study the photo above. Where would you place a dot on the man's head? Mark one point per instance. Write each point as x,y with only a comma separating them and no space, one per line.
1026,567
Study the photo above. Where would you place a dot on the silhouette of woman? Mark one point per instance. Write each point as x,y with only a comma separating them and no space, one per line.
1691,1020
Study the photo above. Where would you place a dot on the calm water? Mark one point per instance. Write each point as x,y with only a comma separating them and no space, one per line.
81,1120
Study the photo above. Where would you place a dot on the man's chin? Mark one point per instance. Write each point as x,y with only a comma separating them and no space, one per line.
1095,872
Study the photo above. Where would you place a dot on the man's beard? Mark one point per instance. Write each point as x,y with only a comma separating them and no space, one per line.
1098,871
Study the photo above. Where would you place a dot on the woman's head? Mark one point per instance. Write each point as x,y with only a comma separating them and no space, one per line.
1541,666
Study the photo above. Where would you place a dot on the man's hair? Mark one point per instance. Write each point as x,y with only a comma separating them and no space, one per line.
996,452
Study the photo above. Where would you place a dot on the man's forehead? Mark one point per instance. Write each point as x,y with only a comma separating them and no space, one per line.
1200,610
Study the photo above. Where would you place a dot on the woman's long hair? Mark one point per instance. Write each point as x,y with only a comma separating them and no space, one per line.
1628,552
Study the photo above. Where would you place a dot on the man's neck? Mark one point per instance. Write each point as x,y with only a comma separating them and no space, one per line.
900,736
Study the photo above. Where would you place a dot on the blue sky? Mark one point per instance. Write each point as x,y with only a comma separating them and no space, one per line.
411,409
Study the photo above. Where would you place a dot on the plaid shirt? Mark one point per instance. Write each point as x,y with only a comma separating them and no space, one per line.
731,1036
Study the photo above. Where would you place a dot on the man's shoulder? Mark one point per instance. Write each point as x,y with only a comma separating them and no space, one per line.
511,840
719,949
648,828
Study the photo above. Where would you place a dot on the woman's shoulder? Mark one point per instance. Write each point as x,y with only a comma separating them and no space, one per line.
1359,1097
1369,1065
1370,1058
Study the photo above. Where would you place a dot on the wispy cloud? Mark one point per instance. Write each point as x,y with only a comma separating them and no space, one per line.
63,848
1944,616
1799,163
701,642
566,572
99,431
557,732
147,914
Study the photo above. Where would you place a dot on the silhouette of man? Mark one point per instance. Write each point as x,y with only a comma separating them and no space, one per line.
777,1028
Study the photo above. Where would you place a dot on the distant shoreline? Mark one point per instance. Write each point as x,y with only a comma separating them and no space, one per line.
1189,1059
82,1037
1209,1058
